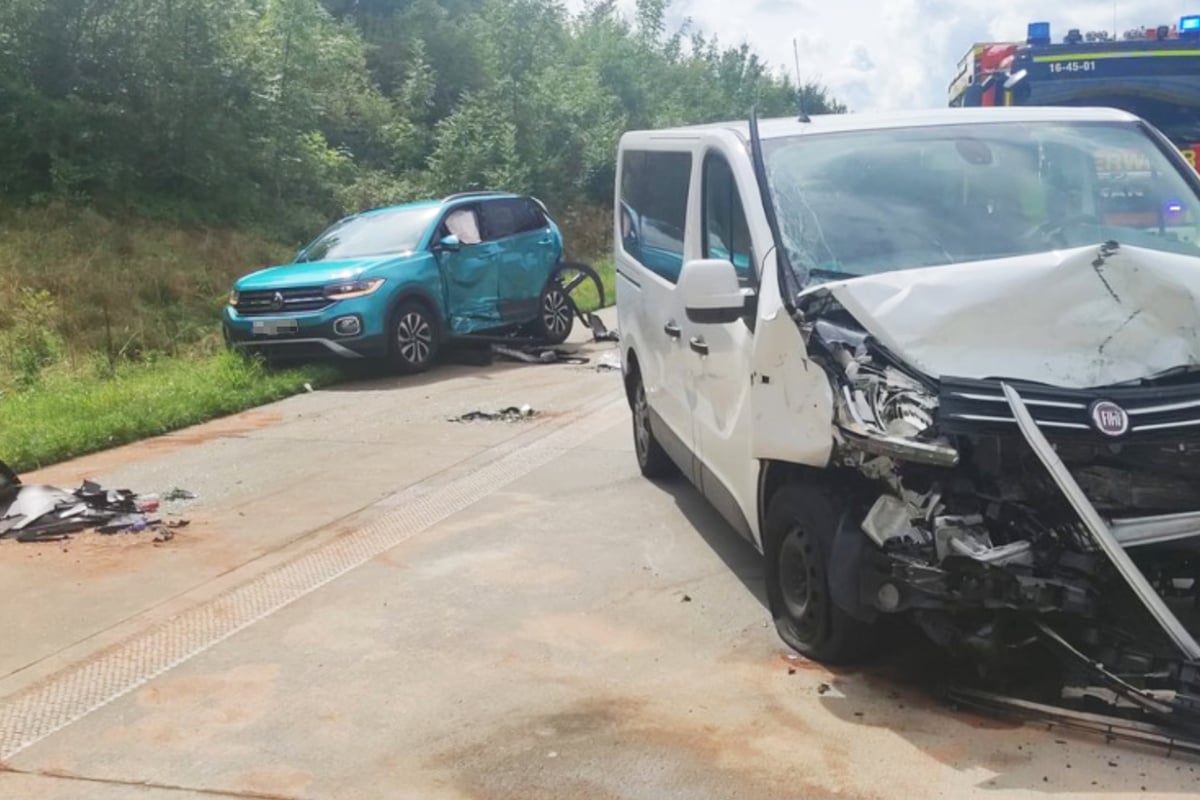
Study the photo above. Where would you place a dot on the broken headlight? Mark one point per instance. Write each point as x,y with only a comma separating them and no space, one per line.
881,408
893,402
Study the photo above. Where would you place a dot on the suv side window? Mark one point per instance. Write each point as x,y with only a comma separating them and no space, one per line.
726,235
654,197
463,223
509,217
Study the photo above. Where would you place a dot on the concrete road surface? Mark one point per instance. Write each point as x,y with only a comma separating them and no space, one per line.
374,602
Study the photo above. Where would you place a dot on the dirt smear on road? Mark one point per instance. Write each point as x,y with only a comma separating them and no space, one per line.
70,474
602,746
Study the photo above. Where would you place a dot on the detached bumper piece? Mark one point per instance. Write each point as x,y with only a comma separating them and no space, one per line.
1175,711
46,513
1112,728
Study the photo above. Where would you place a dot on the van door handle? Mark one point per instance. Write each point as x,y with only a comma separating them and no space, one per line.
697,344
672,330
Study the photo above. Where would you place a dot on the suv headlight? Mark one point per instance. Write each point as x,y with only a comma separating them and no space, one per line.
349,289
233,297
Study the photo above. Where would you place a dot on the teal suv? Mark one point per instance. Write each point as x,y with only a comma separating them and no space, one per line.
396,283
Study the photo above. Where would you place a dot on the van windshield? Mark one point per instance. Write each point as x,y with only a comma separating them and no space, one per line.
876,201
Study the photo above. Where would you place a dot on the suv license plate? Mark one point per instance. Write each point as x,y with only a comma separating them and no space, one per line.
275,327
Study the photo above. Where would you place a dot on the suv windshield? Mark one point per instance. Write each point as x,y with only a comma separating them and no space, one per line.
376,234
875,201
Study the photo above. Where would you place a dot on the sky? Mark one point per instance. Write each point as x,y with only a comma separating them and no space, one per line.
888,54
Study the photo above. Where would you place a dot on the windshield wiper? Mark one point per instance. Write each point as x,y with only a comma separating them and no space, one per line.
820,272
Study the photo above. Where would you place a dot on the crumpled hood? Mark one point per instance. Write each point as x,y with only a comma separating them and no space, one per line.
1079,318
312,273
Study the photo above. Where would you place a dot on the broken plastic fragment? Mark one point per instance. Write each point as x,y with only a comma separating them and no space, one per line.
966,536
891,518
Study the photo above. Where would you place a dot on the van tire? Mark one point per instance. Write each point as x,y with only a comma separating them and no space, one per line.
414,338
652,459
799,529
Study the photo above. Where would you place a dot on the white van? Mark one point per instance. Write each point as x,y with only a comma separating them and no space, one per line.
931,365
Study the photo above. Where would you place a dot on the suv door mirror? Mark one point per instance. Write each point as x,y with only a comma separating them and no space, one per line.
711,293
450,242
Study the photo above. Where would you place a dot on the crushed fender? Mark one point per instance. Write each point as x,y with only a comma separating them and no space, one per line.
1028,497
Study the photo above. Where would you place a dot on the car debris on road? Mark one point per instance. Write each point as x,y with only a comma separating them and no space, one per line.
36,513
510,414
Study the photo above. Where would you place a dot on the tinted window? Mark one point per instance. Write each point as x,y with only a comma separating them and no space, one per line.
726,234
654,195
502,218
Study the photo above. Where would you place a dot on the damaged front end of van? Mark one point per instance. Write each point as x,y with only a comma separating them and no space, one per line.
1032,492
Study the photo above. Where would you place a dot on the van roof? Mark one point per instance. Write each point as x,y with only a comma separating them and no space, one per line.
881,120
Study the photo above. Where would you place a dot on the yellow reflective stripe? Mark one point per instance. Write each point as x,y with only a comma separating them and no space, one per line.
1099,56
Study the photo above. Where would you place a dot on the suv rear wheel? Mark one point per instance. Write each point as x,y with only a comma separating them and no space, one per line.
556,313
799,529
414,338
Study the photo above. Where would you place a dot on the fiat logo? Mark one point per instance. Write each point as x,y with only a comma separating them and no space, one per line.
277,302
1110,419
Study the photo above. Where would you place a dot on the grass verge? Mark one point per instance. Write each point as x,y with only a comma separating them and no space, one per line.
67,416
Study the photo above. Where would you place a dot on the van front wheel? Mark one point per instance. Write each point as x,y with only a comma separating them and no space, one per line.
799,529
652,460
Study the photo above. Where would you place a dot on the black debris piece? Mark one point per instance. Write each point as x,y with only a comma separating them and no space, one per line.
600,331
510,414
824,688
538,355
9,482
33,513
177,494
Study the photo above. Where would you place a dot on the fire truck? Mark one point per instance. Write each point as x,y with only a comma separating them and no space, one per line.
1151,72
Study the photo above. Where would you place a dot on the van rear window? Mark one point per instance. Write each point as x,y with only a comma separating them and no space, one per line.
653,208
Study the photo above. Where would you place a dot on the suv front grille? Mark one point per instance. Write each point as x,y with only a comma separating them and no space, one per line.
282,301
1155,413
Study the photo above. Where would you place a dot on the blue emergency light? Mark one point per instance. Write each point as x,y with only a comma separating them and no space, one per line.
1039,33
1189,27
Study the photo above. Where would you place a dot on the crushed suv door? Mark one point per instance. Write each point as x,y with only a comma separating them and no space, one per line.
526,258
470,273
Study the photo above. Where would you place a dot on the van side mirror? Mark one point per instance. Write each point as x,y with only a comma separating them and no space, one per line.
711,293
450,242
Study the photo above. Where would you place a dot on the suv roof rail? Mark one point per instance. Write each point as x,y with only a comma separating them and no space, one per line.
483,193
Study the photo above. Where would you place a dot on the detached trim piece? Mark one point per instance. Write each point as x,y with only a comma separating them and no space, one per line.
1136,531
1099,530
344,352
1085,722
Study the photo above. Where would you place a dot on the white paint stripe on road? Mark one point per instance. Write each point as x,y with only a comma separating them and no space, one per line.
33,714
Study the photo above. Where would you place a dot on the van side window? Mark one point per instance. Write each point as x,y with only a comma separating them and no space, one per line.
653,211
726,234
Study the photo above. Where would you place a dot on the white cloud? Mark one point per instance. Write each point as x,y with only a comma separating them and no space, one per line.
896,53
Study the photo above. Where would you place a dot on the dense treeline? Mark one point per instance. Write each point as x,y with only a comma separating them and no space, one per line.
287,112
